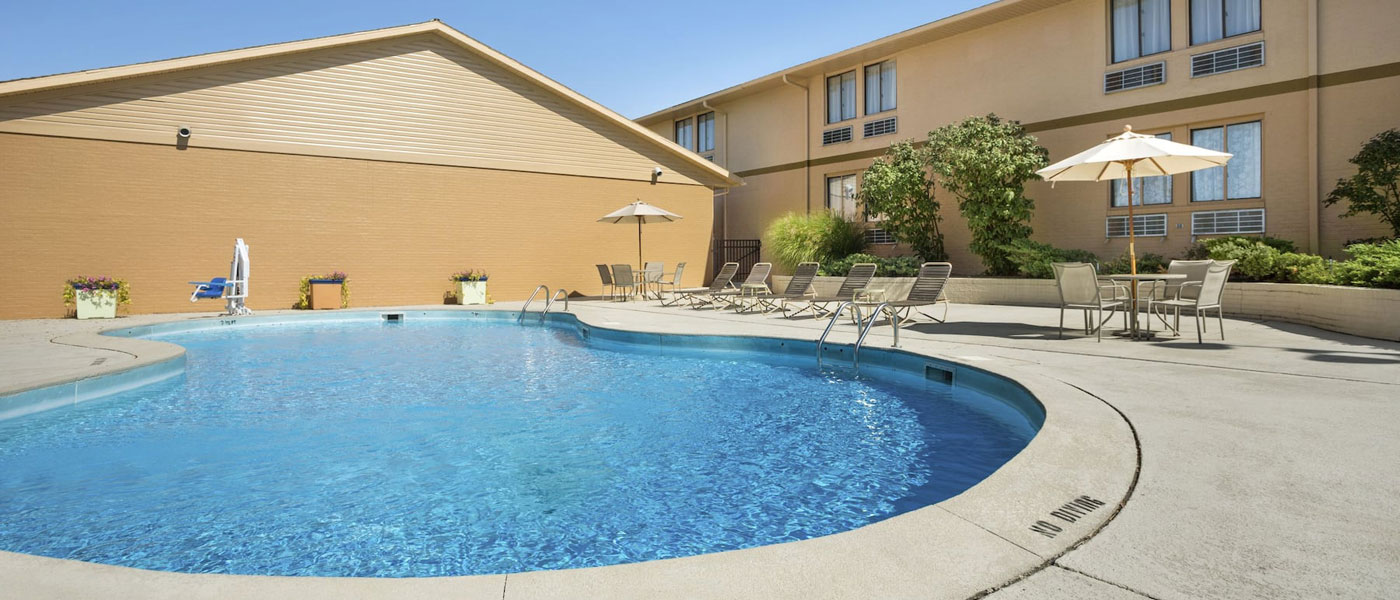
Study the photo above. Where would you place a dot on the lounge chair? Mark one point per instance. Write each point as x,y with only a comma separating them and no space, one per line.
605,274
798,288
723,279
927,291
856,279
624,279
214,288
1080,288
756,283
1208,294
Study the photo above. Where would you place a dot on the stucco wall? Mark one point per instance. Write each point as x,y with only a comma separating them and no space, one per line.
159,217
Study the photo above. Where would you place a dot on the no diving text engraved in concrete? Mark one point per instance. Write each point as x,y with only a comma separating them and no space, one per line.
1069,512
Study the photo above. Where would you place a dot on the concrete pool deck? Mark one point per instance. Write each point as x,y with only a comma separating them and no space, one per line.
1265,470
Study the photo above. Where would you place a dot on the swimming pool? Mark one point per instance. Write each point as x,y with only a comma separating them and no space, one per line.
467,446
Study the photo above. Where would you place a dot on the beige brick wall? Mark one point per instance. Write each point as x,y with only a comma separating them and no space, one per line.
159,217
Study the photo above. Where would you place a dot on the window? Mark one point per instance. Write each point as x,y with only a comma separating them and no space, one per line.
1214,222
1143,225
685,134
879,87
1240,177
1146,190
1141,28
841,195
841,97
705,126
1215,19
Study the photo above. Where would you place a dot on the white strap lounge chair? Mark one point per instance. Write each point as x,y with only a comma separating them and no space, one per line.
1080,288
927,291
723,279
798,288
756,283
858,278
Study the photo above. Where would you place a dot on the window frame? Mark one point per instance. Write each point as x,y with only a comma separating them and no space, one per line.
1191,24
688,122
1112,35
865,97
698,128
855,93
857,212
1171,181
1224,127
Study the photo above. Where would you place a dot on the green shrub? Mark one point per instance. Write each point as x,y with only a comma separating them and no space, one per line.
1032,259
1146,263
1371,265
1292,267
1254,260
1202,249
821,236
899,266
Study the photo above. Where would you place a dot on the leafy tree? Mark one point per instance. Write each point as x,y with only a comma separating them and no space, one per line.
897,186
1375,188
985,162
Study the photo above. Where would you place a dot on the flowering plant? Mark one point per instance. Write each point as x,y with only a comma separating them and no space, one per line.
85,283
304,299
469,275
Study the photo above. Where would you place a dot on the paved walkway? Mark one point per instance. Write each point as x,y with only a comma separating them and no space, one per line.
1267,461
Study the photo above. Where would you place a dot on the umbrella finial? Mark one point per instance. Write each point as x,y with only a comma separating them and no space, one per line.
1127,129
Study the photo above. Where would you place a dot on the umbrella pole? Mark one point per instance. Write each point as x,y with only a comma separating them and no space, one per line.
1132,251
639,245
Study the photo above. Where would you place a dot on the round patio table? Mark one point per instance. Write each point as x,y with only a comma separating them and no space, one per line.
1134,332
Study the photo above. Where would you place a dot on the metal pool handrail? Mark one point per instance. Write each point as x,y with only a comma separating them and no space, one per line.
861,324
532,299
556,297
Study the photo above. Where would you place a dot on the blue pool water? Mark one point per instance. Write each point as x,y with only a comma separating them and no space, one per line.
453,447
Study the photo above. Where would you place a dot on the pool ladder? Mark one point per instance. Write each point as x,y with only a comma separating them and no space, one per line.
548,303
862,326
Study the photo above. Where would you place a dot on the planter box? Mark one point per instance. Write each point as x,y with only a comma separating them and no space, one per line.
96,304
471,292
325,294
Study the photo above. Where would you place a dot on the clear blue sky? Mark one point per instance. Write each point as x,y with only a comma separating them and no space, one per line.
634,57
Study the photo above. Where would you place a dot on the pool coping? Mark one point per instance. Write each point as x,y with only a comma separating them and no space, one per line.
1067,483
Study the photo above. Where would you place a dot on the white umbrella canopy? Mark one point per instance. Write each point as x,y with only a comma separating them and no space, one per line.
1133,155
640,213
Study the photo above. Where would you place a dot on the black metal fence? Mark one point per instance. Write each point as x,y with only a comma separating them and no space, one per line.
744,252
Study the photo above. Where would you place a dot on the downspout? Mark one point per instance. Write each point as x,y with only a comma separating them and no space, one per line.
723,196
806,140
1314,134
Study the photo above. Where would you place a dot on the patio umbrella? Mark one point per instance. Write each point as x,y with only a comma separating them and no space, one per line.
1128,155
640,213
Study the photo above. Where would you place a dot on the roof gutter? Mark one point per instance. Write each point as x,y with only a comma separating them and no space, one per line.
806,138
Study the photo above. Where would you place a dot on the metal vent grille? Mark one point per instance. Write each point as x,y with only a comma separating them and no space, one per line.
1135,77
1227,221
836,136
1143,225
878,236
1228,59
880,127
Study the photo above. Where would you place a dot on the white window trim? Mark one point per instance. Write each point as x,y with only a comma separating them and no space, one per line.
1263,221
1108,230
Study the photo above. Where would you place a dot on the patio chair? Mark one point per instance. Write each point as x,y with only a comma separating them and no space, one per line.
675,281
651,275
723,279
1080,288
856,279
1209,293
799,287
1150,292
927,291
756,283
624,279
605,274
